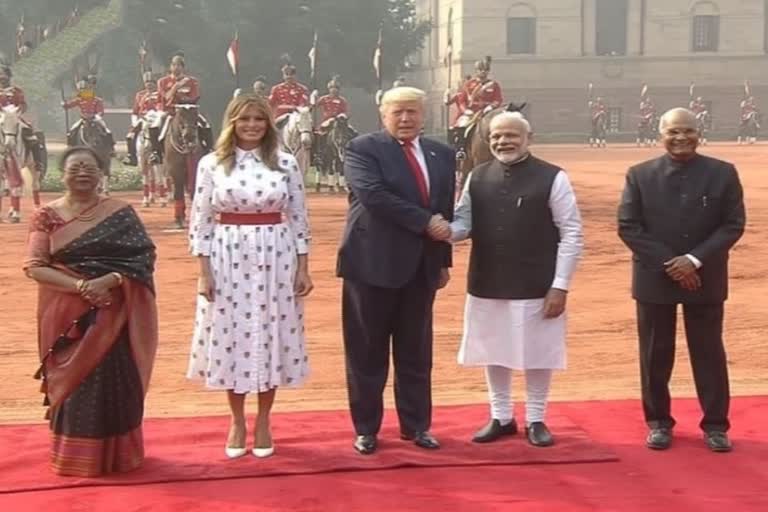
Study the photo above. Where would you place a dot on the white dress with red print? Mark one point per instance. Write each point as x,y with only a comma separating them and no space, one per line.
251,337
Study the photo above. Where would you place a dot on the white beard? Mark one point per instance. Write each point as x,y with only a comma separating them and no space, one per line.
507,157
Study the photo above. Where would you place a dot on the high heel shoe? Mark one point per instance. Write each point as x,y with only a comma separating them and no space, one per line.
263,453
234,453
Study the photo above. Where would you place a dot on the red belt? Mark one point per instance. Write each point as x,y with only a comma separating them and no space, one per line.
250,219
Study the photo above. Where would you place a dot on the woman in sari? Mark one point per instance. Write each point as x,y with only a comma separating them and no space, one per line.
97,321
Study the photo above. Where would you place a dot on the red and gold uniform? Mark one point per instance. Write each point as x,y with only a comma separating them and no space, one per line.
647,112
461,101
287,96
747,109
187,91
90,106
698,107
597,109
13,96
481,94
146,101
331,106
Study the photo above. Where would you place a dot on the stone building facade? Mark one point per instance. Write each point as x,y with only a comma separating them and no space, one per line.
546,52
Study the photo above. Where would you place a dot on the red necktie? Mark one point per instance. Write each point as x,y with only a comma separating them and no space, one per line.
413,163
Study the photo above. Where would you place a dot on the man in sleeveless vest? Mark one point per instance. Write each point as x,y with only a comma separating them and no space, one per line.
521,214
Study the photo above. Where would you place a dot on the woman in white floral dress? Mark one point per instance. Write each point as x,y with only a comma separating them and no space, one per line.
249,229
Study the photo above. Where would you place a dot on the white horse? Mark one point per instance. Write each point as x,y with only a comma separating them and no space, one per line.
296,136
13,158
153,175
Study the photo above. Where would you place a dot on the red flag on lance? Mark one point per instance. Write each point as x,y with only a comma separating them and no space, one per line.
449,48
20,34
377,56
143,52
233,54
313,58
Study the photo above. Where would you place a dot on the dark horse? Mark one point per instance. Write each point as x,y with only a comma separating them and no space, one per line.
477,137
92,134
330,154
599,129
748,128
182,152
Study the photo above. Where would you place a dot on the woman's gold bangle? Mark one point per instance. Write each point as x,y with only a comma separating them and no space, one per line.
80,285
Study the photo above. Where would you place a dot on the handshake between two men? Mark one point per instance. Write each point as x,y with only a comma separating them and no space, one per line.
439,229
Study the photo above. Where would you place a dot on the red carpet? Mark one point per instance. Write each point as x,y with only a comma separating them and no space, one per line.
307,443
686,478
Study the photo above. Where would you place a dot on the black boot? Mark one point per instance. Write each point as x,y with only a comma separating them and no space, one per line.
110,142
132,159
157,148
206,138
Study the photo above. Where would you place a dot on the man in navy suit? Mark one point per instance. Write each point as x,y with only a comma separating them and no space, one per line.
393,259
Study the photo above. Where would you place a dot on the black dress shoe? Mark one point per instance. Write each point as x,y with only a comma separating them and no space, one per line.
422,440
365,444
494,430
659,439
718,441
539,435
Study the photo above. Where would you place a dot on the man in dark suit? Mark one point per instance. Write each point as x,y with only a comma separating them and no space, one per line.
402,189
680,214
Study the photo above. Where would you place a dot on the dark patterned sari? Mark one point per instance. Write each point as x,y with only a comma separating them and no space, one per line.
96,363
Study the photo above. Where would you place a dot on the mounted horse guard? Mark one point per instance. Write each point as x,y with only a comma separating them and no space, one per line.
185,135
91,130
598,115
646,126
458,118
703,118
21,148
332,136
293,117
483,97
749,121
260,87
147,119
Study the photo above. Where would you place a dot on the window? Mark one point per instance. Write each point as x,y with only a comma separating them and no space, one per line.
611,27
521,35
614,119
706,32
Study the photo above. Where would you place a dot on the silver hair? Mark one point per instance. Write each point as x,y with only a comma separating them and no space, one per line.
674,111
511,116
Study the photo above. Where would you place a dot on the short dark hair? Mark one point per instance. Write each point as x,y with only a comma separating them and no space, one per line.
80,149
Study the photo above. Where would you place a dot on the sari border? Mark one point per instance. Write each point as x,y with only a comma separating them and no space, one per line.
92,457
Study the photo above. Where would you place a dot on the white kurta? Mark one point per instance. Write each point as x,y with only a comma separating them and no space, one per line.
514,333
251,338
